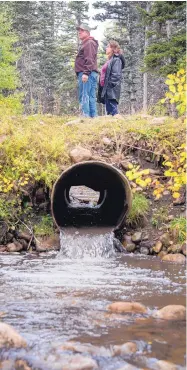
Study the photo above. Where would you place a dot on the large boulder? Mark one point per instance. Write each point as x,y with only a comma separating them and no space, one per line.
144,250
165,365
165,239
9,337
14,247
184,249
158,120
171,312
147,244
24,244
3,231
136,237
21,365
106,141
24,235
125,165
157,247
7,365
125,349
9,237
176,248
2,248
80,154
85,348
177,258
130,247
48,243
122,307
128,367
79,362
162,254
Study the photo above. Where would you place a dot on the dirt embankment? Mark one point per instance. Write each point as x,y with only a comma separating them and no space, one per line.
35,150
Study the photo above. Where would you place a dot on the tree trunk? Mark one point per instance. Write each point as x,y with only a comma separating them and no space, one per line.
145,75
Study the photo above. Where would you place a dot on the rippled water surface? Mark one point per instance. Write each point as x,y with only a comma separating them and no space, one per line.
55,297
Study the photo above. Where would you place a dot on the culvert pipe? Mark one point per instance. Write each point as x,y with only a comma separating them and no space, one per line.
113,204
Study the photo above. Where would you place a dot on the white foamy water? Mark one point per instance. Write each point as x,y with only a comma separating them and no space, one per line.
78,244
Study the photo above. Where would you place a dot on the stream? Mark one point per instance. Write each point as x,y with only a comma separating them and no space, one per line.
54,297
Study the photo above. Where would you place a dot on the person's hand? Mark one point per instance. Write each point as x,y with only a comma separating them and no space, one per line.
84,78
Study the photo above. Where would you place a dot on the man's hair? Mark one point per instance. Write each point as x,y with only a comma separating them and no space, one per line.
115,47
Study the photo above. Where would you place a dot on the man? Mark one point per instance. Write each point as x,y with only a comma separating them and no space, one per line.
86,70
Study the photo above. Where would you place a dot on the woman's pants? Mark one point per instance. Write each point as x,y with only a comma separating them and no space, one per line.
111,106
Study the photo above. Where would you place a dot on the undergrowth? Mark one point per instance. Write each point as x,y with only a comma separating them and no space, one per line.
44,227
137,214
160,216
178,229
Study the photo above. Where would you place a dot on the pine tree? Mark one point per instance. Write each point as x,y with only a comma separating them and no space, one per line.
48,39
167,38
153,39
25,24
9,77
130,34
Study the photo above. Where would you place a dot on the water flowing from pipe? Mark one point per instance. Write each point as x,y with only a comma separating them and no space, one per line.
76,244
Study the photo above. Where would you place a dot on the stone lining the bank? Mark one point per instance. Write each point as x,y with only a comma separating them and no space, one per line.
137,243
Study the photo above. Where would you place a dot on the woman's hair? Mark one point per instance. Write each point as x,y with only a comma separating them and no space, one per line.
115,48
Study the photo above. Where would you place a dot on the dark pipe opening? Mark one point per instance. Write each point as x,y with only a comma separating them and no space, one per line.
113,204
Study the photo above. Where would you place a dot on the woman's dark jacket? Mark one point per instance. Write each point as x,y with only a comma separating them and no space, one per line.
112,85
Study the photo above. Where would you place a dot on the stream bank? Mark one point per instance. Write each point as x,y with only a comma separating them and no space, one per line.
136,145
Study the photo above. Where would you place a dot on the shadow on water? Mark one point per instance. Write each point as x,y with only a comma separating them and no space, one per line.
55,297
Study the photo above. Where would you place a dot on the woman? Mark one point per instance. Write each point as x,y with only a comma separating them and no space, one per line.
110,78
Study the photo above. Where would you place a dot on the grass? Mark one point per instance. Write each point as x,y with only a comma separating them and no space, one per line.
140,206
178,229
44,227
160,216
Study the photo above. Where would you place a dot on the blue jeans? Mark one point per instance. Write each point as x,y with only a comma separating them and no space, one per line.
87,94
111,106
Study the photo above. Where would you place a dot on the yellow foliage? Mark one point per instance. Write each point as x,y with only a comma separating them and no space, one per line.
130,166
177,87
134,174
171,76
173,89
177,170
182,71
176,195
168,164
148,180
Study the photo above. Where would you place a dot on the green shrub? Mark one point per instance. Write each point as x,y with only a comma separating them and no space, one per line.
44,227
178,229
140,206
11,104
10,210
